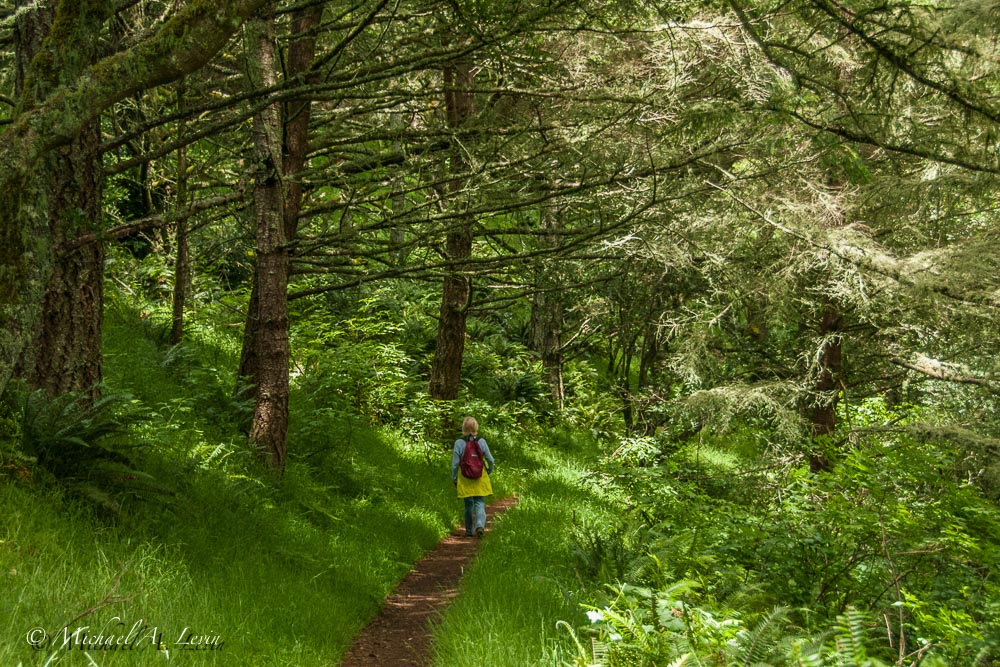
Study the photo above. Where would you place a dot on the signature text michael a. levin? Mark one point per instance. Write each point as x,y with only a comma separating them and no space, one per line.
119,635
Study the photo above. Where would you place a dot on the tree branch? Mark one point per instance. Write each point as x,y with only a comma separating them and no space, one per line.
184,44
939,370
153,221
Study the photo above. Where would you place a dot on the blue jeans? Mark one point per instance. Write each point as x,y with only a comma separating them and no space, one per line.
475,508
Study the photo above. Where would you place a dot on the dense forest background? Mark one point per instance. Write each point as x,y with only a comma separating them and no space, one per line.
718,279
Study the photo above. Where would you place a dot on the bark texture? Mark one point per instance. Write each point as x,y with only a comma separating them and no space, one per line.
281,144
64,351
449,348
446,368
546,328
46,119
182,261
823,414
269,430
298,113
547,316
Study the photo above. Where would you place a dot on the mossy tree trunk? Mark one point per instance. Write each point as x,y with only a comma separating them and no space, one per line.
446,368
547,314
59,105
823,414
64,352
281,144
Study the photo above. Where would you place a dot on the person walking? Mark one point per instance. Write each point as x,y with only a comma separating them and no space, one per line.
471,465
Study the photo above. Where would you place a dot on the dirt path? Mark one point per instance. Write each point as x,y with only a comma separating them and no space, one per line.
400,634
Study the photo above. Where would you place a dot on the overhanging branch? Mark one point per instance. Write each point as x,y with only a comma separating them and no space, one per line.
151,222
940,370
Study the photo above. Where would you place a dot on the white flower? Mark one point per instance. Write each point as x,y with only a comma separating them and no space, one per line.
595,616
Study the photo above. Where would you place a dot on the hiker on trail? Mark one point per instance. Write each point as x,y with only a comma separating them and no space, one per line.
471,465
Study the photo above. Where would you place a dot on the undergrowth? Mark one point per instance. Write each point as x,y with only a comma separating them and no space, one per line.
262,571
716,559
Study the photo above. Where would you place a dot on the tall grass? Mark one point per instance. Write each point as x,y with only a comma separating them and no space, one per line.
522,583
279,572
282,578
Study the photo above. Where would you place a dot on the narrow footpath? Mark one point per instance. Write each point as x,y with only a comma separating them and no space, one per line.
400,635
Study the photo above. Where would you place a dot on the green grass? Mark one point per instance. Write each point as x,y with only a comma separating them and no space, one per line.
279,571
283,572
284,576
522,582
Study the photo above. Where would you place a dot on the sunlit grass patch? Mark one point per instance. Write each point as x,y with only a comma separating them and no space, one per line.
282,571
522,582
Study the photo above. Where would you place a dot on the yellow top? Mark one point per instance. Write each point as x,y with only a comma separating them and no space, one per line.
474,487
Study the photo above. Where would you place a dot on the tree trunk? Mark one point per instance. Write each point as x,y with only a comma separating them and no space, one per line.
546,337
65,355
823,414
301,54
65,349
278,196
547,314
32,23
182,262
397,234
648,359
547,317
246,376
269,430
446,369
182,280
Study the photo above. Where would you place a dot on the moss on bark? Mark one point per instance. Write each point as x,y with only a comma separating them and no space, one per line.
60,96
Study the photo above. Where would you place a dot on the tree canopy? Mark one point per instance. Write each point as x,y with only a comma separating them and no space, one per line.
773,225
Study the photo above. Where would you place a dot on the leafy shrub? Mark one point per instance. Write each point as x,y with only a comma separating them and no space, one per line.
601,554
896,531
589,407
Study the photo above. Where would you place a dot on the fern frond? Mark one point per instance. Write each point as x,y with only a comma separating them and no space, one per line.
757,646
86,444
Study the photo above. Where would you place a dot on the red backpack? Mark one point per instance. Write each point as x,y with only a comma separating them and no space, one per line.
471,464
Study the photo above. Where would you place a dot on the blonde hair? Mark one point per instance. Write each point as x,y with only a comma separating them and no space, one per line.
470,426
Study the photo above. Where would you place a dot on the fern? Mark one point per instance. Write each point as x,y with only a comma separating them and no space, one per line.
850,650
87,446
851,638
66,431
986,658
758,646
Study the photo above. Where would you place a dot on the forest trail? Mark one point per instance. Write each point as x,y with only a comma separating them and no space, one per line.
400,635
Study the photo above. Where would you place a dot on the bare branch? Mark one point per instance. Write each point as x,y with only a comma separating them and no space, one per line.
153,221
940,370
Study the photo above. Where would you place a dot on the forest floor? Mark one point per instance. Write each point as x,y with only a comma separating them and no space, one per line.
401,634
